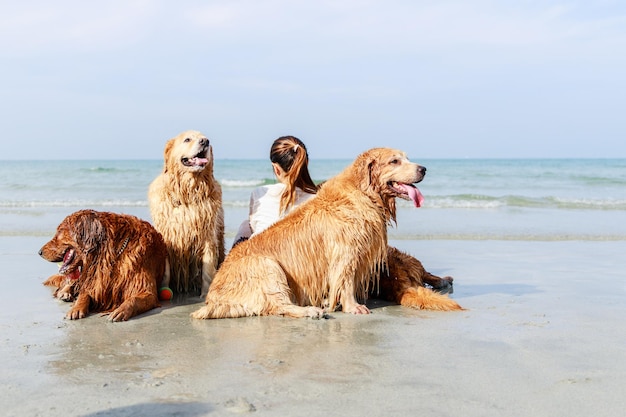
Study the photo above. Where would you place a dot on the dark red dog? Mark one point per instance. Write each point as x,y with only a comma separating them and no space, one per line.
111,263
404,282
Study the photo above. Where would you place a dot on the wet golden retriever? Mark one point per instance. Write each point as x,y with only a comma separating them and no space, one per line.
110,262
186,207
325,252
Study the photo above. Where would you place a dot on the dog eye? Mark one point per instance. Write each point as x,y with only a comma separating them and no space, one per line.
394,161
187,140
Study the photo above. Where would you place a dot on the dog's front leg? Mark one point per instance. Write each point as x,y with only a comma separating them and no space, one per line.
343,289
350,305
80,309
65,287
134,306
209,268
66,291
56,280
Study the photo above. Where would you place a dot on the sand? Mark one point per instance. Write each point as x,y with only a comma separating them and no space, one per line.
543,335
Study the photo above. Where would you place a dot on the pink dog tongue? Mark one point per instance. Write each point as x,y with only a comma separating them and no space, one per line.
414,193
200,161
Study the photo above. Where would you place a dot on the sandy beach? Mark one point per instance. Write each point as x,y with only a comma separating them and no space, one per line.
512,109
542,336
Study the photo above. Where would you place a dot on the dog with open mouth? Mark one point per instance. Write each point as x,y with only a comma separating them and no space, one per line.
111,263
327,253
186,208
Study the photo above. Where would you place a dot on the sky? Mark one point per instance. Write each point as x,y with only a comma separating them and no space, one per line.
437,79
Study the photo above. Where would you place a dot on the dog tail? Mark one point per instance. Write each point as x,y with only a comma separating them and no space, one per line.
221,311
426,299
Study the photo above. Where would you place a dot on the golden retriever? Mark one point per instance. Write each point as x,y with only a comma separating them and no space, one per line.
110,262
326,252
186,207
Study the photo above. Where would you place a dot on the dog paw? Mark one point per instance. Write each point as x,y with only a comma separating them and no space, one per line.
75,314
357,309
64,296
119,314
315,313
447,281
444,283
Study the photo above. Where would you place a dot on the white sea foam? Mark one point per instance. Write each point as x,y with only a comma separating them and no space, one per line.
241,183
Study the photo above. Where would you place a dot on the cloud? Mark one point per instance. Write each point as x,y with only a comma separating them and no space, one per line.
375,24
364,69
31,27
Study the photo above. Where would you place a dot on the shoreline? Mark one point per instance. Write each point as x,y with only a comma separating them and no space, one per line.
542,335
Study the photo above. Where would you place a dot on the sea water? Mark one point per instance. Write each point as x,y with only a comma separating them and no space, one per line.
466,199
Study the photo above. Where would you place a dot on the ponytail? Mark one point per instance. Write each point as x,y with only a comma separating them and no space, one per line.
291,155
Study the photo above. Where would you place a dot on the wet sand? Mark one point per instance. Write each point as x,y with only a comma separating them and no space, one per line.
543,335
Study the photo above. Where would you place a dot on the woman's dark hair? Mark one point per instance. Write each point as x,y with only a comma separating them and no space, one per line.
291,155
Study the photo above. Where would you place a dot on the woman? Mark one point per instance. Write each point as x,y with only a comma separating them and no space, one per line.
269,203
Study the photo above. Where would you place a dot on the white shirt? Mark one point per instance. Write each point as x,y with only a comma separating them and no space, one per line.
265,208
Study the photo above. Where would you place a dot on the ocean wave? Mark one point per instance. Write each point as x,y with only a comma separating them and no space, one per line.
111,169
460,201
477,201
582,203
236,203
598,181
103,169
226,183
74,203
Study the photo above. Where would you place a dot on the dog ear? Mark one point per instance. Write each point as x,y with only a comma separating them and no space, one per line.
89,231
167,152
373,170
367,169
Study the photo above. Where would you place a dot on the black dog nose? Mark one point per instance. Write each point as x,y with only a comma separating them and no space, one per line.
40,252
422,170
204,141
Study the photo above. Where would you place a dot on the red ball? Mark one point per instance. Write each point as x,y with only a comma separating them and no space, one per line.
165,294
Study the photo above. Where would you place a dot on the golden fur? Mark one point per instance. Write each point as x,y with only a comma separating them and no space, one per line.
324,252
110,262
186,207
403,282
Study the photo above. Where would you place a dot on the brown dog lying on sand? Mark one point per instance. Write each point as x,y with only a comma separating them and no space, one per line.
111,263
325,252
404,282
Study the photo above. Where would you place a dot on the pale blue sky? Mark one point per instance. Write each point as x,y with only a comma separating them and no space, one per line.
438,79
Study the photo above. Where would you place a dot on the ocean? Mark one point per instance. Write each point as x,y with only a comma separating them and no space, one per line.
466,199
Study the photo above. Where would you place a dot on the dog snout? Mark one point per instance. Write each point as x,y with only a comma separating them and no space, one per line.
40,252
421,170
204,142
